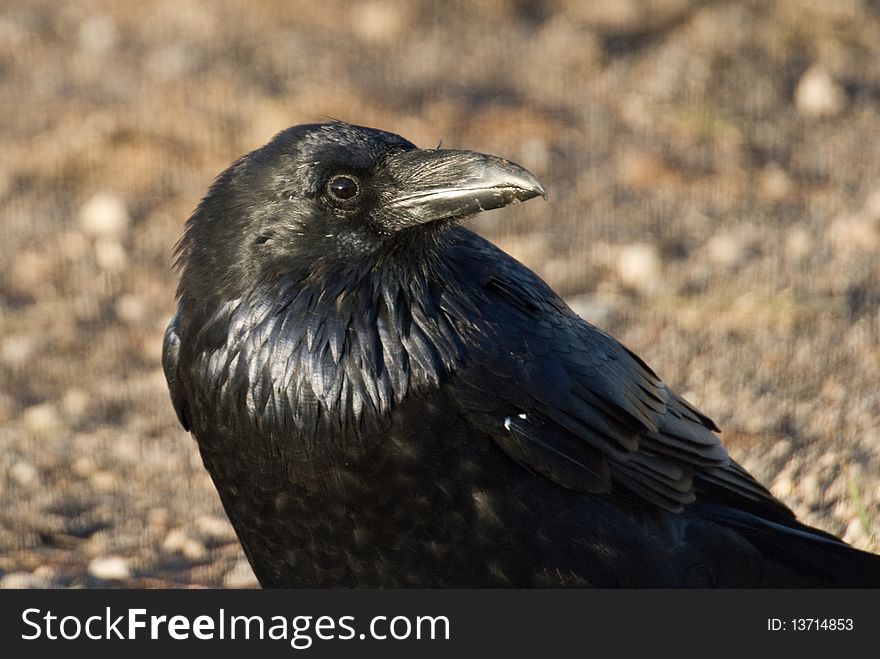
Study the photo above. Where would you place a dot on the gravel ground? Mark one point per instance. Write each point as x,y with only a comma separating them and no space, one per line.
714,180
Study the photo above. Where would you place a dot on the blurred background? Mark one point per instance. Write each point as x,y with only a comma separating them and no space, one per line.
714,178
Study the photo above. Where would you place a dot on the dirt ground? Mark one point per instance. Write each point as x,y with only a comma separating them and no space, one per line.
713,171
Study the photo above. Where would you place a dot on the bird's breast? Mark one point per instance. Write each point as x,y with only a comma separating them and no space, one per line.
312,372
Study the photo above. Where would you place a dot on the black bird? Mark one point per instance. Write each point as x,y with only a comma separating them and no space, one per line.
383,398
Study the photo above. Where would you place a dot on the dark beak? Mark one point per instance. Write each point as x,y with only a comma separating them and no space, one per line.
436,184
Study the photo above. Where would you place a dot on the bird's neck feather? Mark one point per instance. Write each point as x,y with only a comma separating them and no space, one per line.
332,353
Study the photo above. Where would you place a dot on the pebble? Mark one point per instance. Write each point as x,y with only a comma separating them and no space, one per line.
212,528
84,466
22,580
810,489
179,542
775,183
855,534
831,459
780,450
75,402
241,576
16,349
798,243
725,249
24,473
783,487
104,481
104,215
46,573
41,419
126,448
170,62
174,540
378,22
131,309
110,255
818,95
639,265
854,232
110,568
592,309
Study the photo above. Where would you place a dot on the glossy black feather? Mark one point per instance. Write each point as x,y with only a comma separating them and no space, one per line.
384,399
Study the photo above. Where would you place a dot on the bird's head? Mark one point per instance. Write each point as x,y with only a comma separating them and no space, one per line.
323,196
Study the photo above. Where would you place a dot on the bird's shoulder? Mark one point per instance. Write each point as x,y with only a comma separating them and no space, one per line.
571,403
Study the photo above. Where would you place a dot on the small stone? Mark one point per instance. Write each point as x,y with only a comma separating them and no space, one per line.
854,232
24,473
75,402
831,459
104,215
178,541
775,183
798,243
41,419
104,481
46,573
592,309
855,533
194,550
782,487
84,466
130,309
15,350
818,95
241,576
780,450
22,580
174,541
809,486
109,568
171,61
378,22
725,249
110,255
639,265
126,448
213,528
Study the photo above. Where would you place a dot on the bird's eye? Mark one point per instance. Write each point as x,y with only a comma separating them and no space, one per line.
343,188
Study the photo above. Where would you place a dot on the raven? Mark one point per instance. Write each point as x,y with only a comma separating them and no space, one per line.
385,399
